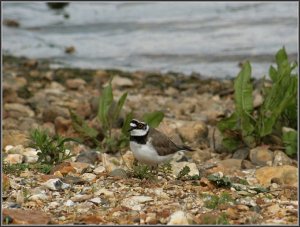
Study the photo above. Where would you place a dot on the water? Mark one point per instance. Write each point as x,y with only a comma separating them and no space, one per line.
209,38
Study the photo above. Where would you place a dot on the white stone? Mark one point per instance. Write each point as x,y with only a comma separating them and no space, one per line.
105,192
178,218
99,169
69,203
53,205
8,147
30,155
88,177
136,202
13,159
40,196
55,184
178,166
96,200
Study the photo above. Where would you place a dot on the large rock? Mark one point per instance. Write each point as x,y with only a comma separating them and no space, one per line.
51,112
200,156
17,110
280,158
136,202
75,83
121,82
13,159
15,137
227,167
91,157
26,217
179,218
261,156
193,131
178,166
286,174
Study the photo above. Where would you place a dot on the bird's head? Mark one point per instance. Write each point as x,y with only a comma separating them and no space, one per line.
138,128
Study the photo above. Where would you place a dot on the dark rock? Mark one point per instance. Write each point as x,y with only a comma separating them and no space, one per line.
90,157
241,153
118,173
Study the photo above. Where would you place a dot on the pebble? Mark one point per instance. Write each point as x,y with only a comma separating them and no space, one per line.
178,218
286,174
96,200
55,184
193,131
178,166
88,177
69,203
280,158
261,156
14,159
136,202
99,169
26,217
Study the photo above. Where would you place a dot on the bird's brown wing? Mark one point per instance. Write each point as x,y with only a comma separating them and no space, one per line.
162,143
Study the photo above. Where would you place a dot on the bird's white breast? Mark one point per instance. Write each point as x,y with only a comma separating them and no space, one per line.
146,153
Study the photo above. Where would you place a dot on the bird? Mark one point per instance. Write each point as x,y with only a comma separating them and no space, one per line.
150,146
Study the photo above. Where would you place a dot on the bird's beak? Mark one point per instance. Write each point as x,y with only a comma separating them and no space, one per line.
131,128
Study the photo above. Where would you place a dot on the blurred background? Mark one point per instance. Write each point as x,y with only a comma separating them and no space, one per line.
207,38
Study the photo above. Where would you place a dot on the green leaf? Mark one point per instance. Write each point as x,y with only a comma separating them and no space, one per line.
228,123
119,107
105,101
154,118
273,74
290,141
81,126
126,123
243,91
231,143
244,100
281,56
281,95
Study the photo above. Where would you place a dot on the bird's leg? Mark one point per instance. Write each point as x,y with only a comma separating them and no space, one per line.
154,169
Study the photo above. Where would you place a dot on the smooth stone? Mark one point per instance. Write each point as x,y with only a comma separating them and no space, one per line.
280,158
178,166
286,174
193,131
25,217
55,184
17,110
118,173
99,169
136,202
69,203
90,157
14,159
241,153
89,177
75,83
261,156
121,82
178,218
96,200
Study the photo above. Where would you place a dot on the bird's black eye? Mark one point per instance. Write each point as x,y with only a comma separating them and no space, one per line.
140,126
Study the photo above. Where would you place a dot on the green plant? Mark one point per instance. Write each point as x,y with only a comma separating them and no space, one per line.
142,172
220,181
222,219
213,201
16,169
184,172
248,126
52,149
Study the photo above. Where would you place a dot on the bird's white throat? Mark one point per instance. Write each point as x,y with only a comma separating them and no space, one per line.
139,132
